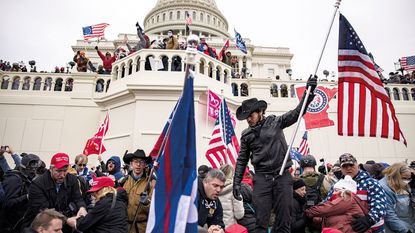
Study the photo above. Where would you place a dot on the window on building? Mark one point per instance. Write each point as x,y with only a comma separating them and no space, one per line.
235,89
37,84
170,15
178,15
26,84
16,83
405,94
48,84
58,84
69,84
396,94
274,90
284,91
244,89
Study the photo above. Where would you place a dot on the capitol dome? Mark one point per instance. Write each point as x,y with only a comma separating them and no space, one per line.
171,14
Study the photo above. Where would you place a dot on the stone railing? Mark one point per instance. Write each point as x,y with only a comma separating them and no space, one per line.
160,60
25,82
286,89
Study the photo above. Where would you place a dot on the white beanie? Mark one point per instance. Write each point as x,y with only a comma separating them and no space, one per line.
346,184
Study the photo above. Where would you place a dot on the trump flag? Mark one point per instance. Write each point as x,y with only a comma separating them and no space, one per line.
173,208
94,145
317,116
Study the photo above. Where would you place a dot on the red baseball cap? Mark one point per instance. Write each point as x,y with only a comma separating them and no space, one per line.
60,160
101,182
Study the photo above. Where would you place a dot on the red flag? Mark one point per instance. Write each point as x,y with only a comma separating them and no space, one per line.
317,116
214,105
224,48
223,146
364,108
94,145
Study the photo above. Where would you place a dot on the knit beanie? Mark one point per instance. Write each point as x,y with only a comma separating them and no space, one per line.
298,184
346,184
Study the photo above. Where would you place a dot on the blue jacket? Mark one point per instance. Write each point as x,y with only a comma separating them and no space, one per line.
400,215
117,173
369,189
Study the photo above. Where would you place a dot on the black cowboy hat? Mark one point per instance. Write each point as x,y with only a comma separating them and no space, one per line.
138,154
249,106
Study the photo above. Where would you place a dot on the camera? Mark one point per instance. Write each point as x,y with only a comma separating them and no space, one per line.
5,148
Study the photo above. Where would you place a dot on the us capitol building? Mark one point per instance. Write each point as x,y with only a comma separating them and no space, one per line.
45,113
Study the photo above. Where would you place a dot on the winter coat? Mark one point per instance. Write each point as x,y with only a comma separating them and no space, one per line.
265,144
172,43
400,215
298,220
210,212
81,63
104,218
117,173
106,62
16,186
134,189
233,209
311,179
249,219
369,189
338,213
43,194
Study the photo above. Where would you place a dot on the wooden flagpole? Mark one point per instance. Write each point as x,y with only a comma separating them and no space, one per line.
336,8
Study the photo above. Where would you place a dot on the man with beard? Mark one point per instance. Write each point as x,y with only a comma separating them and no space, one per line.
16,185
57,189
135,185
111,168
263,143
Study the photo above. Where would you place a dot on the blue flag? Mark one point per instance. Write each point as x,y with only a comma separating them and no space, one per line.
240,43
173,207
295,155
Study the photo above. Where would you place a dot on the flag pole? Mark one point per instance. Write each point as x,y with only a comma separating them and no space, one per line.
221,119
190,62
336,8
103,135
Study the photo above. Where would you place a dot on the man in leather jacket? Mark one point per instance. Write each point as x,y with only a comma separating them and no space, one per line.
264,144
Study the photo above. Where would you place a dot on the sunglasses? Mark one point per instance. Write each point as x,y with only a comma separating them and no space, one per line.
111,162
81,165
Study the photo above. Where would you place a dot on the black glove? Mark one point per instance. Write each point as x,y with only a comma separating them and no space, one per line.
361,224
312,82
237,192
144,198
409,231
96,47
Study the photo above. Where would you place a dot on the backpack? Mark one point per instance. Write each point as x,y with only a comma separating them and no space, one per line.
313,193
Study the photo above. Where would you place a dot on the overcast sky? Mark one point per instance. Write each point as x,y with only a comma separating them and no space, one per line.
44,30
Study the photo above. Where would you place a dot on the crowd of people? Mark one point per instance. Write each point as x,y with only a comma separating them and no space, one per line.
112,197
396,77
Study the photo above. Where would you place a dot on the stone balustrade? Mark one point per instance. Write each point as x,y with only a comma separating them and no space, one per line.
159,60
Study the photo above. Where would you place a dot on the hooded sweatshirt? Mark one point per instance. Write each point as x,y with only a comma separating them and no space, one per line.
117,173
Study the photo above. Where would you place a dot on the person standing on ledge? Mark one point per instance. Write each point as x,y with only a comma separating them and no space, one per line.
263,142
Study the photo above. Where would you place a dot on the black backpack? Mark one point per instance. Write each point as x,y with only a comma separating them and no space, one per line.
313,194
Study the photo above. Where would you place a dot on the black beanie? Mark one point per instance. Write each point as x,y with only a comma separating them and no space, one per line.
298,184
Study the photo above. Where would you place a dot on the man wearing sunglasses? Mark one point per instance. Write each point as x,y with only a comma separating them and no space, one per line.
369,190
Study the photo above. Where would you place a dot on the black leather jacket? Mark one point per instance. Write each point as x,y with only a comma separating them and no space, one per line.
265,144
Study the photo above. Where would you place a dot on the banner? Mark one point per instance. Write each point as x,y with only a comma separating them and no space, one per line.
213,105
317,116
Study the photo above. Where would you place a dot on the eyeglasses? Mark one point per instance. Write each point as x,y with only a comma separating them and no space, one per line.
141,162
111,162
81,165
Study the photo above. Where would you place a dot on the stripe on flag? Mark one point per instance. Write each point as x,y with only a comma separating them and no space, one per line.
364,108
94,31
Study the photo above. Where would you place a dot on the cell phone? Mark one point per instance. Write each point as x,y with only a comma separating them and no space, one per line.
4,147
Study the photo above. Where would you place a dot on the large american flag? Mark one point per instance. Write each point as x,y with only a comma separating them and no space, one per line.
303,148
94,31
408,63
364,108
223,146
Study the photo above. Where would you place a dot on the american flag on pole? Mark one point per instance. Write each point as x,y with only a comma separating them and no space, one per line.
364,108
303,149
94,31
408,63
188,19
223,146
